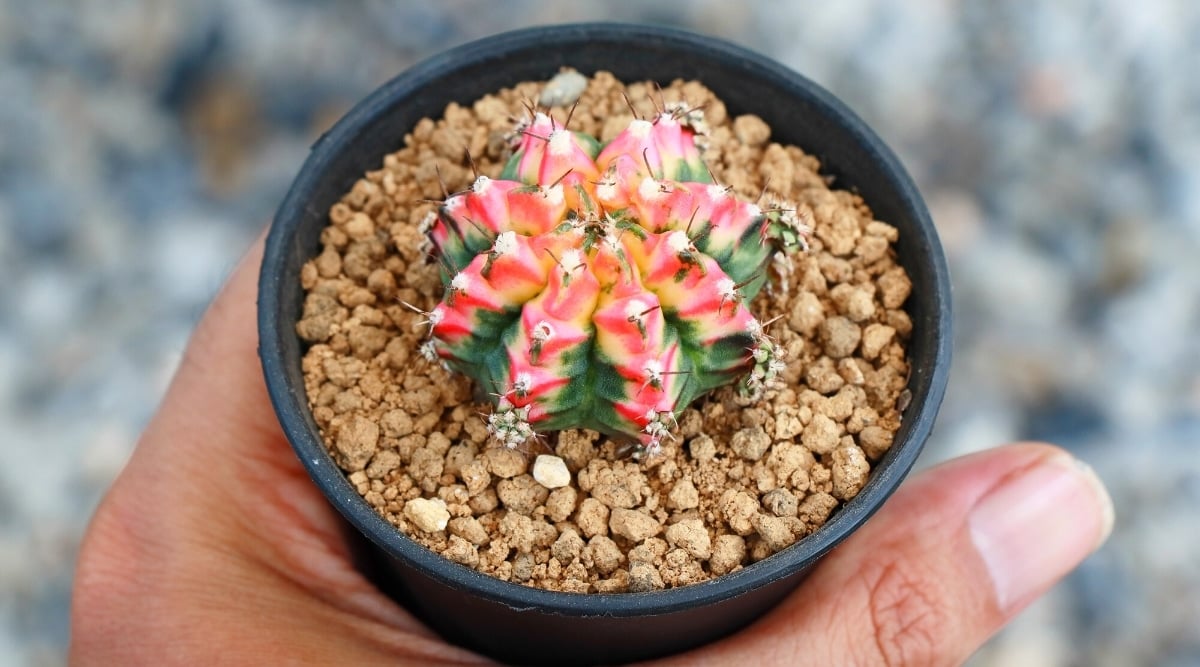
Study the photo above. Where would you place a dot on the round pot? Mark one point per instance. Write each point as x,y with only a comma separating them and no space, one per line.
510,621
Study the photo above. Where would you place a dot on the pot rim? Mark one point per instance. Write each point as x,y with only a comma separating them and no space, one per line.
290,402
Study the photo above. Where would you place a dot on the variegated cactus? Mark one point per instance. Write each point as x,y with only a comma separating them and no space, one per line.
603,287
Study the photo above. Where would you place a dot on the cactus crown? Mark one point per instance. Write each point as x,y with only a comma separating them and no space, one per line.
603,286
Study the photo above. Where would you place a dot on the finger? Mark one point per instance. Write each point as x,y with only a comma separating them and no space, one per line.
215,446
957,552
219,389
216,432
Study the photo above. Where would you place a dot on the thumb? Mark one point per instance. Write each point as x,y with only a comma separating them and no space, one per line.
955,554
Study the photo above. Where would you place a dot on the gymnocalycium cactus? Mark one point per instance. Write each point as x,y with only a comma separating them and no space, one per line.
603,287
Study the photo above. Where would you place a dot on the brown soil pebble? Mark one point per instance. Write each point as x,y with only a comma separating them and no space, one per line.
738,482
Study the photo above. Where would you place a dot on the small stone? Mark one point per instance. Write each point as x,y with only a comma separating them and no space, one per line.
787,423
438,443
426,469
649,551
644,577
738,508
780,502
850,470
861,418
895,287
839,234
835,270
429,515
633,525
505,463
567,547
690,423
617,484
871,248
853,302
774,531
683,495
485,501
900,321
329,263
617,583
751,130
807,314
851,372
356,442
561,503
475,476
384,462
680,568
575,447
690,536
728,552
883,230
522,567
750,443
764,478
702,448
469,528
382,282
820,479
875,441
822,376
759,549
816,508
821,435
605,554
396,423
461,551
360,226
875,338
592,517
521,493
840,406
563,89
859,306
344,373
839,336
321,312
519,531
454,495
356,296
551,471
456,457
787,458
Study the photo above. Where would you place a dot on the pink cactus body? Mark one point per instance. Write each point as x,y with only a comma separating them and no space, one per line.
603,287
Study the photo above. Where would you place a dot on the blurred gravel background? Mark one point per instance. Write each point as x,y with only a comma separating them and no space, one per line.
143,144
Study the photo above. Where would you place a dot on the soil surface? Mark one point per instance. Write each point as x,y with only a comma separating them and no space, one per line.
738,482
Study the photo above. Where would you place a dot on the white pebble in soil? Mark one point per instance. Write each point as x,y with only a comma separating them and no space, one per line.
430,515
551,471
563,90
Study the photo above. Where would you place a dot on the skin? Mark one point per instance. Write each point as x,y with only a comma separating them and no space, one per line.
213,547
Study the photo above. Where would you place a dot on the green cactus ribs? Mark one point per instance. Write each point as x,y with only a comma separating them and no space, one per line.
603,286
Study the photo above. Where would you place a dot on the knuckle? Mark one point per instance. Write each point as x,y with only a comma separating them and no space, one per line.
905,616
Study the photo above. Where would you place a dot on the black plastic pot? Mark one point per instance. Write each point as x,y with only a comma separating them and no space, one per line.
514,622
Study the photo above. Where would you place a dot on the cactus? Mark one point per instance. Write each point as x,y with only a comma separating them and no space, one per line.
603,287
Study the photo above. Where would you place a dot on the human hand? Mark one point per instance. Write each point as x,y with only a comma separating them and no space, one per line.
214,547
